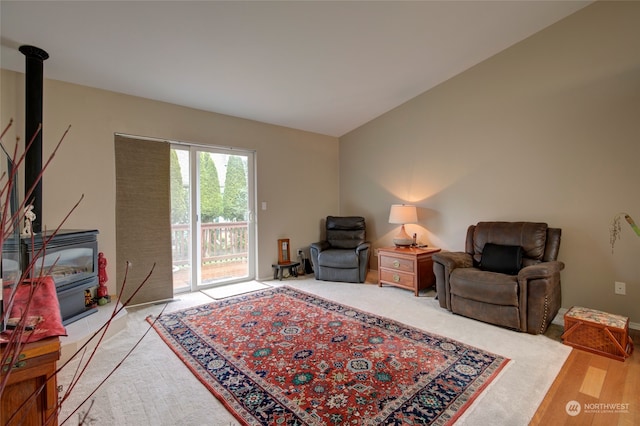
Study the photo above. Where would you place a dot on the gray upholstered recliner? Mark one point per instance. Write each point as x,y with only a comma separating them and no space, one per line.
344,255
508,275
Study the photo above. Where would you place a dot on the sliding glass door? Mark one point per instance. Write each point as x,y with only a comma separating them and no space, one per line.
213,232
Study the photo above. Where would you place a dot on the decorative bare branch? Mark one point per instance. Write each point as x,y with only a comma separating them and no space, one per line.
9,221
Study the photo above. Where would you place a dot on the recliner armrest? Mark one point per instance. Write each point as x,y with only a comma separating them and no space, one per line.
540,294
452,259
321,245
444,263
540,270
363,247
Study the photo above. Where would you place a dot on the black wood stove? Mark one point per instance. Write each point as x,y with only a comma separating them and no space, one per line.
70,257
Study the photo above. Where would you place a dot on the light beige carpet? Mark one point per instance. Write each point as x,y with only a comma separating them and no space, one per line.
153,387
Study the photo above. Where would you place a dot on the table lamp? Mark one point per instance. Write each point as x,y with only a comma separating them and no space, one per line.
401,214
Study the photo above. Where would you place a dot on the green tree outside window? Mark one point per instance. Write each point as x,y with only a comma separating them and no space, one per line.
210,196
235,190
179,194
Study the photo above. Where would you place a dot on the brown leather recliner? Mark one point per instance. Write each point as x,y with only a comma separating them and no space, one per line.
508,275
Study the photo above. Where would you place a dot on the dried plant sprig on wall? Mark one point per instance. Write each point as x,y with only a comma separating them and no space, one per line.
615,229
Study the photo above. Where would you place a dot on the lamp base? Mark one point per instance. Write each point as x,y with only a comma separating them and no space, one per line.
403,239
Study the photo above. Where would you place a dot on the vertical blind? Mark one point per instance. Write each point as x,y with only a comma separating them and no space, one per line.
143,219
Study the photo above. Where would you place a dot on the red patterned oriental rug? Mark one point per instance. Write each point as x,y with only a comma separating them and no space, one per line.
284,357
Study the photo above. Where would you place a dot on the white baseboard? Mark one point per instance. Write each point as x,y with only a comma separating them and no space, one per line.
559,320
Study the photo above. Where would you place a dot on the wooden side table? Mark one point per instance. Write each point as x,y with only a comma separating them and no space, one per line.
34,365
406,267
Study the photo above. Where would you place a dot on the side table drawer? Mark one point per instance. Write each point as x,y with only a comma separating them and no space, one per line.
399,264
396,277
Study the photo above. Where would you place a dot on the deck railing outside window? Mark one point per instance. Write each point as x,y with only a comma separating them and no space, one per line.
220,242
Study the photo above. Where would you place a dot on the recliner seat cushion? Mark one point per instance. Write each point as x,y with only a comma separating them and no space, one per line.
484,286
335,258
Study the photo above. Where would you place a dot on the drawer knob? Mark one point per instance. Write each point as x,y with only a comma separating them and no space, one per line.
396,264
396,278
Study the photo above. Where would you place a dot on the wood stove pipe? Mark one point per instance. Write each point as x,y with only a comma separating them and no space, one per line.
33,118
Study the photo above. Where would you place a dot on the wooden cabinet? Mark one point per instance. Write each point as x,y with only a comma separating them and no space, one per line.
406,267
30,370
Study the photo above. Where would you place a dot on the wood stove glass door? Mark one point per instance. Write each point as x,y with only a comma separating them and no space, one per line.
213,234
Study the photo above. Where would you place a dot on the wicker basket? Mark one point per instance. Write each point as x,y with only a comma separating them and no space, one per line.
598,332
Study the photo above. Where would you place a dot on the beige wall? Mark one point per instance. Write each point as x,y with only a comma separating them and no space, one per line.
297,172
548,130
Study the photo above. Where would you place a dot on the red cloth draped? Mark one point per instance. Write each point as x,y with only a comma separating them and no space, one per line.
36,302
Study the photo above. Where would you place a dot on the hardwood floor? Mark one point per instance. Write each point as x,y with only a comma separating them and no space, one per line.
607,392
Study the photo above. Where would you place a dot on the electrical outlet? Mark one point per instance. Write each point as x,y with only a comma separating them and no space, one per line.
620,288
299,252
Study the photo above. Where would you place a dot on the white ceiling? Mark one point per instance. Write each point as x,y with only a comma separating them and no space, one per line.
326,67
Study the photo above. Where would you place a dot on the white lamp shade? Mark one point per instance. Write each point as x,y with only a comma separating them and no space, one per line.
403,213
